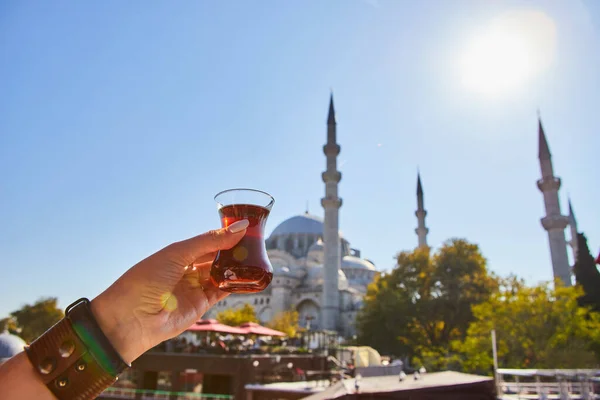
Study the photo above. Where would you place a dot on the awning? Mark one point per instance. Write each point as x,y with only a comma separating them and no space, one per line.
212,325
252,328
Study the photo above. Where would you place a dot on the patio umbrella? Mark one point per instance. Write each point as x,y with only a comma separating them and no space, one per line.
252,328
212,325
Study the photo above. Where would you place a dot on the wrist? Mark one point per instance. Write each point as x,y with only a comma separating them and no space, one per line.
120,330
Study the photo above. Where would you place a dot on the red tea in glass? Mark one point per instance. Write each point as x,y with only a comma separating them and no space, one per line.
245,268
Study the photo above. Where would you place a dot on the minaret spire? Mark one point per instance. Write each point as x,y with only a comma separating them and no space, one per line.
421,230
544,149
573,227
331,114
554,222
331,238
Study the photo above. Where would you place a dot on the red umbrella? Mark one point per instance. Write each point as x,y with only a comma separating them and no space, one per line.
256,329
212,325
598,259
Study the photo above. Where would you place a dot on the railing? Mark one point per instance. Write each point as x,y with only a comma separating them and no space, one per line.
141,394
548,384
548,390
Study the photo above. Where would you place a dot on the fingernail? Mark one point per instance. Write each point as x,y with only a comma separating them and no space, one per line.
238,226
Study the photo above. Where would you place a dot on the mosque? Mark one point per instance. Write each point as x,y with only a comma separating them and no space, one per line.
319,274
316,270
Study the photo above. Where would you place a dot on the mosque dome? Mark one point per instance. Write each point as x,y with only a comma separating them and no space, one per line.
297,234
315,275
300,224
357,263
10,345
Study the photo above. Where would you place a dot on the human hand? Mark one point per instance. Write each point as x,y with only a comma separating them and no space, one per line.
163,295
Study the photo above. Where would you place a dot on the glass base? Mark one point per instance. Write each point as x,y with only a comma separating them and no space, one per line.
243,280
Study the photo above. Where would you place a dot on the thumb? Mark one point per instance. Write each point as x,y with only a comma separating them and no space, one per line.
219,239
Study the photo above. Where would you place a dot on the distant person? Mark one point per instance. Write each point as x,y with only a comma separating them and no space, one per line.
155,300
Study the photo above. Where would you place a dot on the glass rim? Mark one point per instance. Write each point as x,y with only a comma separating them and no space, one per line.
268,206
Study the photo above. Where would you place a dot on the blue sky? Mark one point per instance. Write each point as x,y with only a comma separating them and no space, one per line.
119,122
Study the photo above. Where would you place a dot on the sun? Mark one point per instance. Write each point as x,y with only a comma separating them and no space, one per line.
510,51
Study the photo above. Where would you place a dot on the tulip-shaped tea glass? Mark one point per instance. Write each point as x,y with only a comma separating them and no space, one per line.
245,268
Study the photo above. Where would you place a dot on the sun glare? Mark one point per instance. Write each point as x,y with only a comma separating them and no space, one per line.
508,53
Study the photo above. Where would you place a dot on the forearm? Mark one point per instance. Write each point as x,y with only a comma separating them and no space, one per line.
123,322
18,380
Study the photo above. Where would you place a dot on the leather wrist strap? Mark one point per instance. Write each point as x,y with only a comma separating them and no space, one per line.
74,358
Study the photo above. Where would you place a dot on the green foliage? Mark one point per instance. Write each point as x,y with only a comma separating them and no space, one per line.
236,317
286,322
33,320
424,304
9,324
587,275
536,327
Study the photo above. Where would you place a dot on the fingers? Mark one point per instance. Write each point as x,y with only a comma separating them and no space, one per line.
201,270
192,249
214,295
206,258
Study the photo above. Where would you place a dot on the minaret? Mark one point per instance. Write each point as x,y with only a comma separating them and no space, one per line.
573,226
331,238
554,223
421,213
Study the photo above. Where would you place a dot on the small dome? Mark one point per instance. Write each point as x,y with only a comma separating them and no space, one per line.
314,278
316,246
287,272
357,263
284,271
315,252
10,345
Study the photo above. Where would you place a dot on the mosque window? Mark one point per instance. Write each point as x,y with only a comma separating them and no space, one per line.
262,301
255,301
268,300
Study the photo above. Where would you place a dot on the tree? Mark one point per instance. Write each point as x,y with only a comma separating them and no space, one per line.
9,324
33,320
286,322
536,327
236,317
425,302
587,275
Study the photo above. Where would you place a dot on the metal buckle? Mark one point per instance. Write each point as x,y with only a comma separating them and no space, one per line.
76,303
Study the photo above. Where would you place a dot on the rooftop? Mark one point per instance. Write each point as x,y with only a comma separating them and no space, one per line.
391,384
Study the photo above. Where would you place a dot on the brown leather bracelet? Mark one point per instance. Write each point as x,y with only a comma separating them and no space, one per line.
74,358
